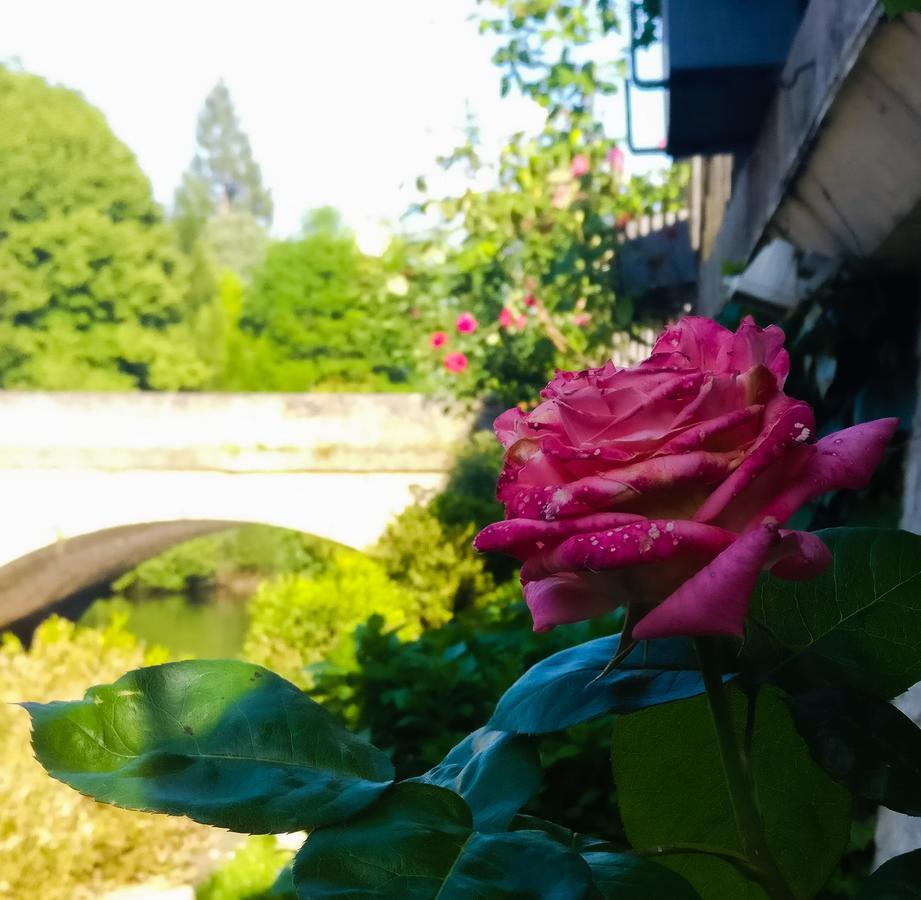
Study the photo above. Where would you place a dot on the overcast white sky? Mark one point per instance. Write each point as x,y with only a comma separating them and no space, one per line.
345,102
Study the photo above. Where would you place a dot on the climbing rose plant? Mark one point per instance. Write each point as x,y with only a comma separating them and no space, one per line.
749,687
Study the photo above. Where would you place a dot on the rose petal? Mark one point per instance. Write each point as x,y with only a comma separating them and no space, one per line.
845,459
711,347
522,537
621,485
561,599
789,424
800,555
638,543
715,600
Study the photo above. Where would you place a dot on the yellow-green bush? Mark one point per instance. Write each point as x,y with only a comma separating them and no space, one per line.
249,873
55,844
297,620
434,563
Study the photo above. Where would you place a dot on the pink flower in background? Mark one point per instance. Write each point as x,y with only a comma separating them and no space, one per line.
579,166
508,319
665,487
530,300
437,339
581,319
616,159
455,362
467,323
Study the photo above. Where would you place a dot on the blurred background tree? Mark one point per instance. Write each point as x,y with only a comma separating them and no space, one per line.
93,288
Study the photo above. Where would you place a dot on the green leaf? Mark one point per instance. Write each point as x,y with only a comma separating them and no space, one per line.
894,7
565,689
283,887
672,791
856,625
622,876
864,743
223,742
626,876
417,842
897,879
494,771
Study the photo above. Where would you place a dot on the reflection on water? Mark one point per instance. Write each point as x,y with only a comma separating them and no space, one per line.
203,625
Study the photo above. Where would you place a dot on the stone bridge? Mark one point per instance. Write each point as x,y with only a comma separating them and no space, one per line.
92,484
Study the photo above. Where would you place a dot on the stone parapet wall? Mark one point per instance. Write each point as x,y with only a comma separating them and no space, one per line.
229,432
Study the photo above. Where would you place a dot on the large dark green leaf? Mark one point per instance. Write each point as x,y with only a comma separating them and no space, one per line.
626,876
672,791
864,743
417,843
622,876
897,879
494,771
222,742
858,624
565,689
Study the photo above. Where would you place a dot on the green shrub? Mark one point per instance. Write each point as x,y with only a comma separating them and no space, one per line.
437,565
54,843
251,549
249,874
469,497
417,699
298,620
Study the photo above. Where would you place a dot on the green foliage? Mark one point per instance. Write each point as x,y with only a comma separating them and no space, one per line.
225,743
849,624
311,316
565,689
469,497
864,743
495,772
397,695
299,620
672,790
93,289
224,163
54,843
419,843
849,363
895,7
434,564
249,874
896,879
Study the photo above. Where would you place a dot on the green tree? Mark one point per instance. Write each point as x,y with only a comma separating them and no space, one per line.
224,161
93,288
222,207
313,315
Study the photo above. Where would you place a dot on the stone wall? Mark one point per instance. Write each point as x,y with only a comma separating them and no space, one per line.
229,432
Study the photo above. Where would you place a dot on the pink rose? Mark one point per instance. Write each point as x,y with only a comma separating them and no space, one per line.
616,159
455,362
579,166
530,300
437,339
665,487
506,317
466,323
581,319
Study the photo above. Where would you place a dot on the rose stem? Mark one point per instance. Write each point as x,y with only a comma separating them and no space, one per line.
747,817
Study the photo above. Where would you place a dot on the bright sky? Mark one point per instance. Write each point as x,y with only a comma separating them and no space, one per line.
345,103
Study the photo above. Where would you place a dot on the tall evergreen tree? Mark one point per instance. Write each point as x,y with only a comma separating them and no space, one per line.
224,164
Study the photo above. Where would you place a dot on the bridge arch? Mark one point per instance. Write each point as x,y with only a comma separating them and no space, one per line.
94,484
